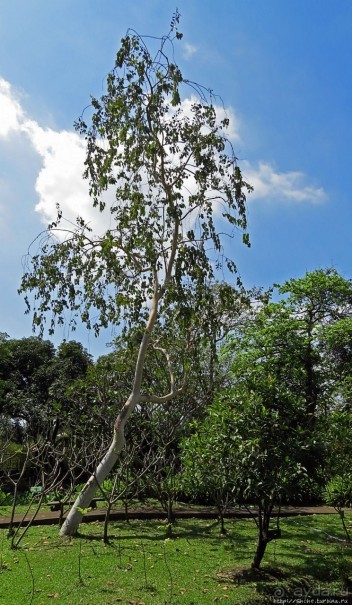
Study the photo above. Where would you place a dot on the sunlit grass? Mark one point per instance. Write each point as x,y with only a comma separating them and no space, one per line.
197,566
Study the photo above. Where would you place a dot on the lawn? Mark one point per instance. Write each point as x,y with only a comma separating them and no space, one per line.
197,566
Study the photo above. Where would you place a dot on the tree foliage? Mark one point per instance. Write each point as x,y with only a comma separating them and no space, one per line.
34,383
160,166
165,171
272,431
321,304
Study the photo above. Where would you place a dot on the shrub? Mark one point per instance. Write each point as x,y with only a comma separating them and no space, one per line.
338,491
5,499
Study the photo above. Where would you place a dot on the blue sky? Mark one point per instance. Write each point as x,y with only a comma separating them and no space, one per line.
284,69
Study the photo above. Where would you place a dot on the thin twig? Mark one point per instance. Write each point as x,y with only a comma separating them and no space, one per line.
170,575
32,576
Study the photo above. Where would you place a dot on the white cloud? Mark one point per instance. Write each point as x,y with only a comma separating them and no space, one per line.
60,179
276,186
189,50
63,152
232,132
11,112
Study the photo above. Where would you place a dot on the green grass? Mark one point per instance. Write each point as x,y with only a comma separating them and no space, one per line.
196,567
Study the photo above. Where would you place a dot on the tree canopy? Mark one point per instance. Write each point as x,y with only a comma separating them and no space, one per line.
160,164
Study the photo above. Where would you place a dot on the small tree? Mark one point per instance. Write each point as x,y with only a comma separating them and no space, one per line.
262,415
168,175
250,450
337,430
209,463
320,309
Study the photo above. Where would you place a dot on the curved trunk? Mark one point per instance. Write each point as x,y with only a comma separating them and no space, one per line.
85,497
108,462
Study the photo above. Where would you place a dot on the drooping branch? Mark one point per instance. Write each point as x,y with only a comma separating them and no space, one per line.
161,164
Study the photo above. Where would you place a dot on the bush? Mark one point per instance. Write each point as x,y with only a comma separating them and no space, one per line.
13,456
338,492
5,499
308,491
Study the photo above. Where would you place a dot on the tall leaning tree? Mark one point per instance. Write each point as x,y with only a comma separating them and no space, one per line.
160,163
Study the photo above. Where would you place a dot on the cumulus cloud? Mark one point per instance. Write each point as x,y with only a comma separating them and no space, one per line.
232,132
60,181
11,113
276,186
234,127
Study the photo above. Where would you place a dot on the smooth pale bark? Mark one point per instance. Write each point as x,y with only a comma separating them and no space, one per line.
108,462
85,497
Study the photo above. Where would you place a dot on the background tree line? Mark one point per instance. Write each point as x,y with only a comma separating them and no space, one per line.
265,419
283,373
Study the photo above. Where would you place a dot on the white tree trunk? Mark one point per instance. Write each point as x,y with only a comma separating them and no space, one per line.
85,497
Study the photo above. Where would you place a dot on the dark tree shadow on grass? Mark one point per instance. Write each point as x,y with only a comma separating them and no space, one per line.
192,531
